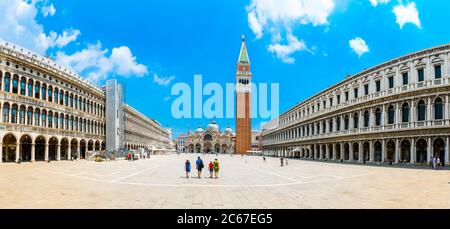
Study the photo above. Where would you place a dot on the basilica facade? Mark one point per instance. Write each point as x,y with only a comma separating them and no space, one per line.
211,140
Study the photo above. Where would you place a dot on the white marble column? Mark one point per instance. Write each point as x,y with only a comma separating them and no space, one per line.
446,110
383,150
413,151
17,152
33,152
46,152
334,151
69,151
58,152
327,152
342,151
428,115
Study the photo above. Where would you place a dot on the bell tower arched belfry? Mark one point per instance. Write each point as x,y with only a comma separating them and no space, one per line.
243,102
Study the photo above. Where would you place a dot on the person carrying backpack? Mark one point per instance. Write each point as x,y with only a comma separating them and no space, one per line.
187,168
199,164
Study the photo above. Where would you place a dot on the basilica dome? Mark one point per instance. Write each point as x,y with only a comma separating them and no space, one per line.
213,126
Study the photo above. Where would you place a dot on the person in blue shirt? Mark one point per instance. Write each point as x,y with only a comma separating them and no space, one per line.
187,168
200,165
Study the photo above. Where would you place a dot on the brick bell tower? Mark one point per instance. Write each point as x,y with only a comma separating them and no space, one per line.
243,102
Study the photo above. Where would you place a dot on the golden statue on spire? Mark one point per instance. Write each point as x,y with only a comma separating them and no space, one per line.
243,37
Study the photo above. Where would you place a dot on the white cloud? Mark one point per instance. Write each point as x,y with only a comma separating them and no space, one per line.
67,37
19,25
407,14
280,16
162,81
284,52
376,2
48,10
359,46
95,63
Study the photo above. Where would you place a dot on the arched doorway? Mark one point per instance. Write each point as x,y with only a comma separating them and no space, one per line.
97,146
356,151
91,146
405,151
198,148
103,146
74,149
217,148
421,151
52,148
224,149
439,149
207,148
9,148
324,151
83,149
366,151
377,155
25,148
390,150
338,151
346,151
65,148
39,147
191,148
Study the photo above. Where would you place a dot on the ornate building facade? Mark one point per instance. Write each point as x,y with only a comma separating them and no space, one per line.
48,111
211,140
395,112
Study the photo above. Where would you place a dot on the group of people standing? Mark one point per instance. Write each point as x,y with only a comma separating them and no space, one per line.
212,166
436,162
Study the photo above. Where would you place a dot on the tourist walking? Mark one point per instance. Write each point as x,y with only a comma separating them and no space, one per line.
199,164
438,163
434,162
211,169
281,161
187,168
286,161
264,159
216,168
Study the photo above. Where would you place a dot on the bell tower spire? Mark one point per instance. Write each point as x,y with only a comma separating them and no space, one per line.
243,99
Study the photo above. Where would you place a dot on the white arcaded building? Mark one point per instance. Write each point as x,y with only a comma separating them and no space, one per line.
395,112
48,112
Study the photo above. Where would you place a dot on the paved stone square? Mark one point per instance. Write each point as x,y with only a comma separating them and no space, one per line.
244,182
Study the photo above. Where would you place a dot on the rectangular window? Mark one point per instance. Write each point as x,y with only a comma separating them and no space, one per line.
355,93
331,102
366,89
437,72
378,85
346,96
420,75
405,78
391,82
338,97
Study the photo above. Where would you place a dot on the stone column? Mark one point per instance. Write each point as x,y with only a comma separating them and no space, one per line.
58,152
69,151
413,151
17,152
447,145
398,114
334,151
428,115
397,150
350,151
383,150
371,153
320,152
412,114
361,119
383,117
1,152
446,110
342,150
429,152
33,152
360,151
327,152
46,152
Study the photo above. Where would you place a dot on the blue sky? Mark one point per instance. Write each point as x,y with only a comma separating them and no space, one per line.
149,45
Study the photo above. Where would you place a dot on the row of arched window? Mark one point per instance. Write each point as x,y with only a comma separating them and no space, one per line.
405,117
20,114
38,90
